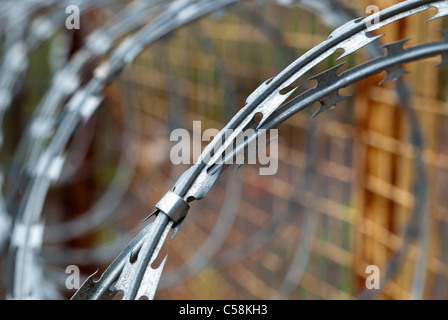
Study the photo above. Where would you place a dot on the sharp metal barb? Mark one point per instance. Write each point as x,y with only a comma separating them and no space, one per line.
356,43
392,50
327,102
444,34
328,77
442,10
444,60
393,73
395,48
324,81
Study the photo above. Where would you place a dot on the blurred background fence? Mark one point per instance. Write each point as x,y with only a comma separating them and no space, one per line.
349,191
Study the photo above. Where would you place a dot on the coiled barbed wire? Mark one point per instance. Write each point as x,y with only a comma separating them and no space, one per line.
44,168
196,183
